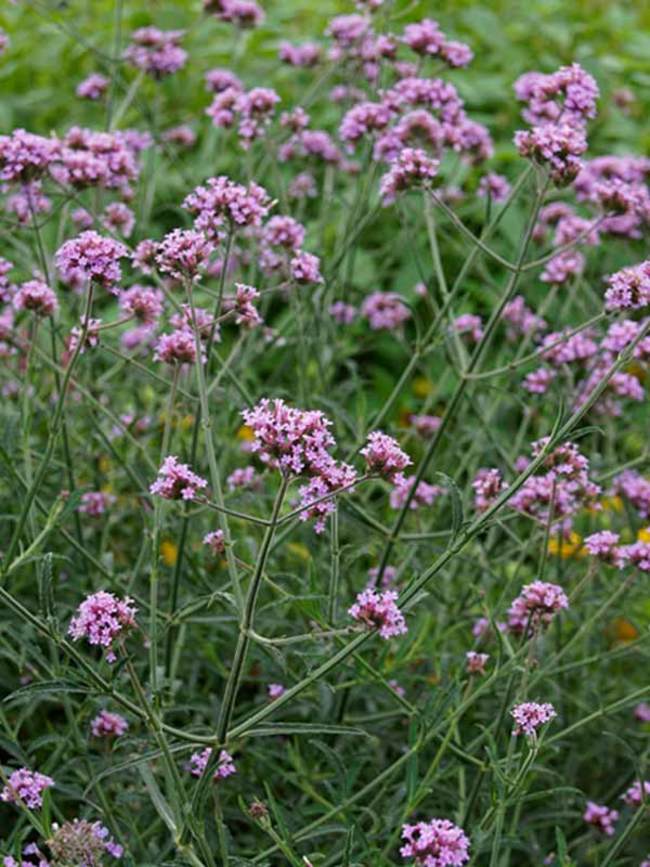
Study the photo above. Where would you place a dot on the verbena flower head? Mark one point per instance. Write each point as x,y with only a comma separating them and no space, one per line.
601,817
412,167
95,503
36,296
242,477
222,203
385,310
25,156
102,618
342,313
529,716
156,52
304,55
183,254
379,611
119,218
604,545
245,311
91,257
384,457
275,690
177,347
93,87
26,787
558,147
494,186
82,843
487,485
637,793
199,761
629,289
569,94
305,268
476,662
642,712
436,843
425,494
244,14
176,481
108,725
216,542
536,606
145,303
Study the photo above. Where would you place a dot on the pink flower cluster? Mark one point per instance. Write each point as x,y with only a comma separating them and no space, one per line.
424,495
95,503
222,203
93,87
385,310
36,296
241,13
436,843
183,254
102,618
601,817
108,725
379,611
529,716
25,156
156,52
199,762
487,485
559,147
637,793
629,289
476,662
411,167
216,542
91,257
26,787
176,481
536,606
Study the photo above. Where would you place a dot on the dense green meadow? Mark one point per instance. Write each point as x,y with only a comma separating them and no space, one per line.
289,625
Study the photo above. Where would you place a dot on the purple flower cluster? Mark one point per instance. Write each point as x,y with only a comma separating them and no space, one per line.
36,296
436,843
95,503
108,725
385,311
529,716
601,817
559,147
156,52
176,481
379,611
26,787
222,203
225,764
183,254
536,606
25,156
83,843
412,167
93,87
487,485
425,494
144,303
629,289
384,457
102,618
91,257
216,542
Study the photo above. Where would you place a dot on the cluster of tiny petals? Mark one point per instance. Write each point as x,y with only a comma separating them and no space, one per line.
412,167
95,503
530,715
488,484
342,313
215,541
476,662
604,545
560,147
424,494
275,690
93,87
436,843
379,611
601,817
119,218
82,843
306,54
176,481
385,310
637,793
304,268
384,457
91,257
494,186
25,156
176,347
183,253
569,93
36,296
629,289
199,761
425,38
108,725
143,302
241,13
102,618
26,787
156,52
220,202
536,606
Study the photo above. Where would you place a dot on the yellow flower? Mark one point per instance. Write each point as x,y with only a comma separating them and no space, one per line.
422,386
245,433
571,547
612,504
169,552
644,535
105,464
